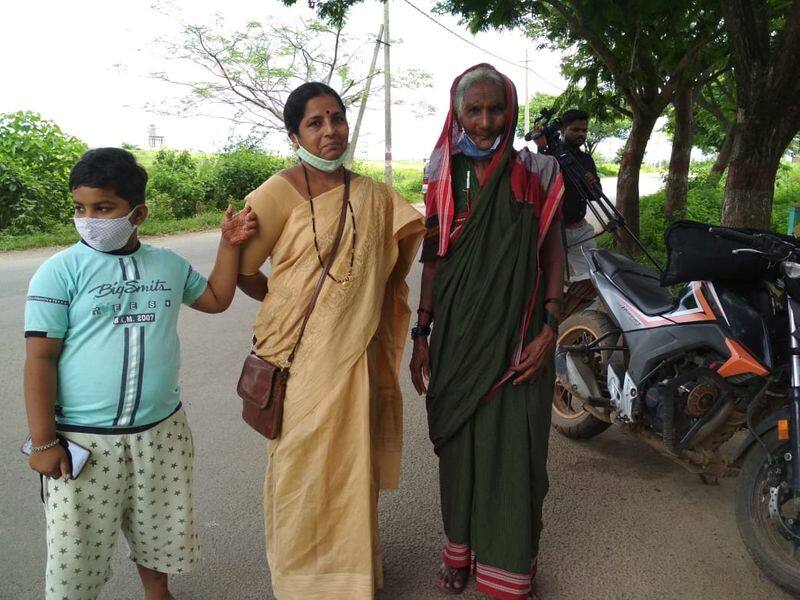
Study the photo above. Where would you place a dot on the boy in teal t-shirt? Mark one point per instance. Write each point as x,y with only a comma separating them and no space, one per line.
102,370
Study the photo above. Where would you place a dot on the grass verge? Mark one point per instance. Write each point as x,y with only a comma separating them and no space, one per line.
65,235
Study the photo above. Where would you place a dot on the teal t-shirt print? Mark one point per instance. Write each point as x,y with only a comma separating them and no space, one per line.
118,318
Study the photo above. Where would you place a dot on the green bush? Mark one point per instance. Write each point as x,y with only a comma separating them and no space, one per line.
35,160
704,204
407,181
605,169
174,175
787,194
237,172
159,207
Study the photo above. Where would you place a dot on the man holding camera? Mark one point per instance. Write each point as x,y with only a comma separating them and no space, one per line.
579,233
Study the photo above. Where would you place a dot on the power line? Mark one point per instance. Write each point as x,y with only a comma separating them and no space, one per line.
474,45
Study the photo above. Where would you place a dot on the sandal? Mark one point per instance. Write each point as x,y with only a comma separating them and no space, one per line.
449,577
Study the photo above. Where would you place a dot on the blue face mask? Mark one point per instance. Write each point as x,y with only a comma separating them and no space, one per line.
471,150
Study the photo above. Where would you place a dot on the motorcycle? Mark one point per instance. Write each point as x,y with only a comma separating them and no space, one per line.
686,371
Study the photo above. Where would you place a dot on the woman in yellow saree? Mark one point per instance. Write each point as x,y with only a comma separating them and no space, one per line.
342,426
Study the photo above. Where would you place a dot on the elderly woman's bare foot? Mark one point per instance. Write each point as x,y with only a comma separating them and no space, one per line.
452,580
533,594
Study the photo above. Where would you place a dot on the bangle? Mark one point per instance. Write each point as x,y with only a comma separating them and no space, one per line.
51,444
419,331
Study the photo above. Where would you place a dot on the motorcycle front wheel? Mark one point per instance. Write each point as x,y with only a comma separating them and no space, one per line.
768,519
570,418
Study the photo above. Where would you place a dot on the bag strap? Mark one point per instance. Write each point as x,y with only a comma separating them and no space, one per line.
327,266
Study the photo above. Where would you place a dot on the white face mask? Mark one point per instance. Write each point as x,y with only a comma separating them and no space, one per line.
323,164
105,235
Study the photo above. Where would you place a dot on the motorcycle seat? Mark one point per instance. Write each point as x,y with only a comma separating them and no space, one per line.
640,285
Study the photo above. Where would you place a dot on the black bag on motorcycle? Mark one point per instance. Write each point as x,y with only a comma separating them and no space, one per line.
695,254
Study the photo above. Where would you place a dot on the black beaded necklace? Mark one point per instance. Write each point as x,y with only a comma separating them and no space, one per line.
349,275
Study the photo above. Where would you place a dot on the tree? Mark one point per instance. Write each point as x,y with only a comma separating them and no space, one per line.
716,121
713,121
602,130
678,174
764,37
641,53
35,161
249,74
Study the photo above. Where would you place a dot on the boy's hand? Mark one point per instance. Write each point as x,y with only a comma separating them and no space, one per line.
240,227
51,463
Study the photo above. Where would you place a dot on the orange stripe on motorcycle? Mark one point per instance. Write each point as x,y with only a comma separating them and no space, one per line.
741,362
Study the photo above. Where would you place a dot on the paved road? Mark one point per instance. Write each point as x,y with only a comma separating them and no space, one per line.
649,183
622,523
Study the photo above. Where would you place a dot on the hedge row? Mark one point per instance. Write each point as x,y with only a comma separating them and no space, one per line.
36,158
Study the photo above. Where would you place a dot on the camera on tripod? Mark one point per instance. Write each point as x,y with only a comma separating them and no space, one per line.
545,125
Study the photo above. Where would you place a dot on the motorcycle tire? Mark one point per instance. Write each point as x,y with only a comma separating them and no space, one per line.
569,418
767,547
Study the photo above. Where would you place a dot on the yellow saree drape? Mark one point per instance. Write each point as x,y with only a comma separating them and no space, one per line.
342,430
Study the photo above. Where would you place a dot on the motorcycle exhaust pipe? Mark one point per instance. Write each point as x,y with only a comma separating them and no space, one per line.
715,422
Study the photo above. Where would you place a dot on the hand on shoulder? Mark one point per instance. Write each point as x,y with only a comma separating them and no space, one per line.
240,227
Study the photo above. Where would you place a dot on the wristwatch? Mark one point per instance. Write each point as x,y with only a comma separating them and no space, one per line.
420,331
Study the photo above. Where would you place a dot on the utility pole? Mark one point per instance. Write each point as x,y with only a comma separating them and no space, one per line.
527,101
364,97
387,83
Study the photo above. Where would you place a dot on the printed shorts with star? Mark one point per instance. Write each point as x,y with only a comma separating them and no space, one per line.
140,483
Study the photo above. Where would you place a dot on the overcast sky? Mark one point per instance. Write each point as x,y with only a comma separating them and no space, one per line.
85,65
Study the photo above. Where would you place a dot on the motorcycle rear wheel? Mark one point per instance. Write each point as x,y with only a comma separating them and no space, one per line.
776,556
570,418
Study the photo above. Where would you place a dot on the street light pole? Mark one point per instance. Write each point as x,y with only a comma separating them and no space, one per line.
364,97
387,84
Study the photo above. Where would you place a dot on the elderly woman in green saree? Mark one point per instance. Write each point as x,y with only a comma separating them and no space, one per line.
493,265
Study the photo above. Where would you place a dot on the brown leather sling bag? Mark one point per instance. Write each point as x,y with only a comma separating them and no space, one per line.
262,384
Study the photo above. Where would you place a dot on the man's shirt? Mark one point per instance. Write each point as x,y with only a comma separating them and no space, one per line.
574,207
118,317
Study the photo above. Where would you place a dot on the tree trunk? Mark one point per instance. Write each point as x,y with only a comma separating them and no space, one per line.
628,178
767,76
751,175
723,156
678,176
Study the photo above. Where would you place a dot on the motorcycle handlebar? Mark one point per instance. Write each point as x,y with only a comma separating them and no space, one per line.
736,236
770,246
